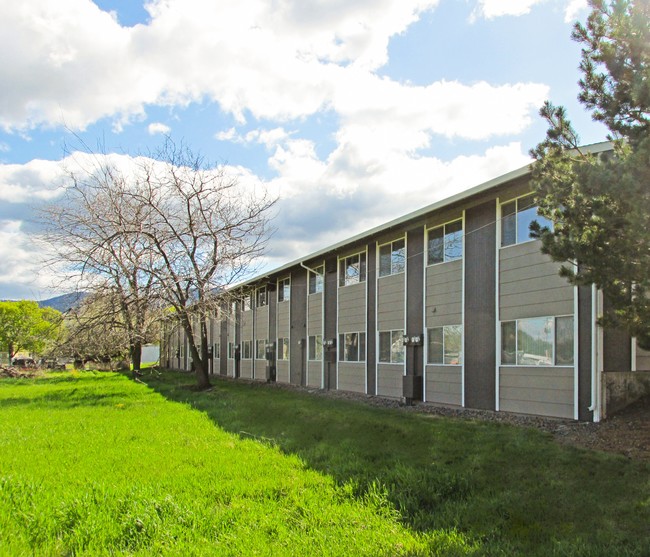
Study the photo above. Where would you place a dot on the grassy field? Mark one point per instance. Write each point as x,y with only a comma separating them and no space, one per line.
97,464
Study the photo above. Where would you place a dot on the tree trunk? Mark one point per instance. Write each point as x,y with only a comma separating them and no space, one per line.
136,356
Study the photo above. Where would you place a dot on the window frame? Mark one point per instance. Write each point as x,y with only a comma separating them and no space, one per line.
503,219
246,348
260,343
280,353
231,350
445,234
313,353
361,347
216,350
247,302
444,329
394,336
284,289
343,265
316,275
261,297
392,255
554,340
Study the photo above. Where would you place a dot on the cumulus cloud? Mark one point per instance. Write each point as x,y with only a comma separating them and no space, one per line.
158,128
490,9
574,7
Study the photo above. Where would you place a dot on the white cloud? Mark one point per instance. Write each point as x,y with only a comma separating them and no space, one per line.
158,128
490,9
573,9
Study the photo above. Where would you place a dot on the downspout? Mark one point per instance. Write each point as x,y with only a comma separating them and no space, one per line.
595,376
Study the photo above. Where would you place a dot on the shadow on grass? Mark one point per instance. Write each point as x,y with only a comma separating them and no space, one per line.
511,488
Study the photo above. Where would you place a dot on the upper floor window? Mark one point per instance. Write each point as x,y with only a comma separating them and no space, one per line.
260,297
445,243
537,341
392,258
247,302
352,269
316,280
284,290
516,217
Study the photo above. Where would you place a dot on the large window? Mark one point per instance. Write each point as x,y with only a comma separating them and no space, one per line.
216,350
445,243
247,349
352,347
541,341
315,347
284,290
260,349
247,302
445,345
231,350
352,269
283,348
316,280
260,297
516,217
391,347
392,258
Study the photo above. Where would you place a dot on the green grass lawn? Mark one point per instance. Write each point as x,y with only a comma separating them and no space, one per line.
97,464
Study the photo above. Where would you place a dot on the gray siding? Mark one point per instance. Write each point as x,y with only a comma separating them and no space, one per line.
444,294
529,284
642,359
390,302
314,374
283,319
352,308
546,391
282,371
315,314
246,325
443,384
352,377
260,370
389,380
246,369
262,323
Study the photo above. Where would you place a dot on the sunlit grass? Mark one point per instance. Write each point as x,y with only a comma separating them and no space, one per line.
96,464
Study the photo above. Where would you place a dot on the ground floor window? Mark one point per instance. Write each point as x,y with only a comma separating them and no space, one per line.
445,345
352,347
283,348
216,350
247,349
231,350
315,347
260,349
542,341
391,346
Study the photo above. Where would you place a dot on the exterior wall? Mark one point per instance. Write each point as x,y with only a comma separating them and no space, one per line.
352,311
444,384
389,380
315,316
298,341
391,315
545,391
330,307
642,359
261,332
283,320
530,286
230,337
246,333
352,377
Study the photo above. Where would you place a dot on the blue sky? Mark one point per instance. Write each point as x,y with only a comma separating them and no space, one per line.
354,112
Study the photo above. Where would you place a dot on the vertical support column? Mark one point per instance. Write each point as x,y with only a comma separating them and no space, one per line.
298,342
330,294
584,352
413,385
273,331
480,306
371,320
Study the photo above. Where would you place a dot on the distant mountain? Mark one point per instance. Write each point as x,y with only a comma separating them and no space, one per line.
65,302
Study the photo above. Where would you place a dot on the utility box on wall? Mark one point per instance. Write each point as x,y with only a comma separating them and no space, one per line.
412,387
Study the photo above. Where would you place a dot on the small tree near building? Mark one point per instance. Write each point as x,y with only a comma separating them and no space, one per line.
26,326
600,204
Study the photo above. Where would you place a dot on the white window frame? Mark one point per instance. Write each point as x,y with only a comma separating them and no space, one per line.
361,358
318,341
246,344
396,335
394,269
516,201
444,226
554,319
319,285
280,355
284,294
257,348
261,297
247,302
344,280
444,336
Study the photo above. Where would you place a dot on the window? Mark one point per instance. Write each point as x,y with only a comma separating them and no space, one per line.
352,269
316,280
231,350
316,347
260,297
246,303
352,347
284,290
260,349
445,345
283,348
392,258
216,350
445,243
516,217
233,307
247,349
391,347
541,341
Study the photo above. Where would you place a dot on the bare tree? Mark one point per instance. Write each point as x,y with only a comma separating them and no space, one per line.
170,232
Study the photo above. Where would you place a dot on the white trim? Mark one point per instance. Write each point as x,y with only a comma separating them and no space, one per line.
425,339
443,226
462,312
405,323
576,352
633,355
497,297
376,314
